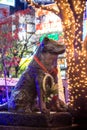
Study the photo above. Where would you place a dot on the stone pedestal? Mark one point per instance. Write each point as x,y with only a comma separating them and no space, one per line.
35,120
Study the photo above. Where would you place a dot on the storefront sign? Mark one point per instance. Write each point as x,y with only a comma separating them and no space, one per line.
9,81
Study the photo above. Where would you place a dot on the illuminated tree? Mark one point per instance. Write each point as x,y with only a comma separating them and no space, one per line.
12,48
71,13
72,16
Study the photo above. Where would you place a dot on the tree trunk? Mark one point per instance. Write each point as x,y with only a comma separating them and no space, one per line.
71,12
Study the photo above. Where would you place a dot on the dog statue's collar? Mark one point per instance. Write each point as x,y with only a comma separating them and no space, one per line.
54,70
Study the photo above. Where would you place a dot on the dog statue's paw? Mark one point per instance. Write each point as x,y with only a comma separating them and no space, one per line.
45,111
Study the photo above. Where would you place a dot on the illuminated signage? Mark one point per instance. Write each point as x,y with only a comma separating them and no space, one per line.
44,1
84,28
8,2
9,81
54,36
47,22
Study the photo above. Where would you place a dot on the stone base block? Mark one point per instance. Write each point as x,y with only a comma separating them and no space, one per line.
59,119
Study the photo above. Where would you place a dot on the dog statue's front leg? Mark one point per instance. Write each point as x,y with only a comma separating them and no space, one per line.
40,94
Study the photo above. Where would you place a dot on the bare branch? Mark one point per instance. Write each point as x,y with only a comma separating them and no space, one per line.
48,7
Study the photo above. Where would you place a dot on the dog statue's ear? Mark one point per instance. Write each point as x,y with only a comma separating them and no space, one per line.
46,39
44,42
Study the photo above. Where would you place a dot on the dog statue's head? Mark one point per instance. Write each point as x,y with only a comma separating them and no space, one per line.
52,46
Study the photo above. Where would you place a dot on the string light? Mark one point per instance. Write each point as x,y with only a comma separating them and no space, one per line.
76,58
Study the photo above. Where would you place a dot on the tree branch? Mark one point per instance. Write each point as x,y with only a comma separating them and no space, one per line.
48,7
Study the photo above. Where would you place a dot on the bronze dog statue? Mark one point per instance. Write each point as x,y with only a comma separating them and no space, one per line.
30,83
